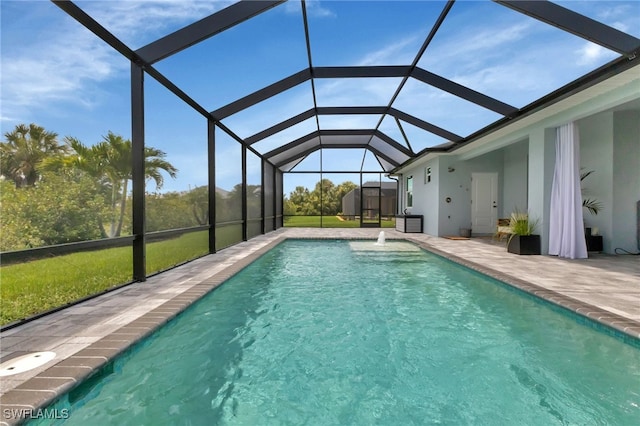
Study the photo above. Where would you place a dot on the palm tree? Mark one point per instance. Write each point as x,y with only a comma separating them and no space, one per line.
23,152
109,162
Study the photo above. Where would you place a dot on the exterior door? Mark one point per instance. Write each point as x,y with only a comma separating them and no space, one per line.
370,207
484,202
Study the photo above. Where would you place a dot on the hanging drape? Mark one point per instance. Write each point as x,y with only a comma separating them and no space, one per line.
566,226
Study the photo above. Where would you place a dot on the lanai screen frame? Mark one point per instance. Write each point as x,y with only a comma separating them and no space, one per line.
142,61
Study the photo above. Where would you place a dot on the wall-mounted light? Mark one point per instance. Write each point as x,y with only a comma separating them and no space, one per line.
451,169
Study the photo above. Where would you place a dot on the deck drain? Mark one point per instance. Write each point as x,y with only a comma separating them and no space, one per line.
25,363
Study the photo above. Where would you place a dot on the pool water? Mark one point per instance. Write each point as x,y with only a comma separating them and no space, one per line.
318,332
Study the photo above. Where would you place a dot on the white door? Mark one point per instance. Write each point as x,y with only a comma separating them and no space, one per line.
484,202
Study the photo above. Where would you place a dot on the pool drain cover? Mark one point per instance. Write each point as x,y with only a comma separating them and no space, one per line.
25,363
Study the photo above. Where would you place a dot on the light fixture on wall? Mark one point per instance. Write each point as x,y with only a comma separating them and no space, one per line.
451,169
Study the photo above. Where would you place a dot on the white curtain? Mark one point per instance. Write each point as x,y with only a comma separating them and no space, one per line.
566,226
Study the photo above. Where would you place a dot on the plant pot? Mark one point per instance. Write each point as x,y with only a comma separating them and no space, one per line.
524,244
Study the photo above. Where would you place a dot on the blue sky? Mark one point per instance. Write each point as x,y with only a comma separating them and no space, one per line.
57,74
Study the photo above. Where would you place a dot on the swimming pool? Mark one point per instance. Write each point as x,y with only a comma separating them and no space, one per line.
338,332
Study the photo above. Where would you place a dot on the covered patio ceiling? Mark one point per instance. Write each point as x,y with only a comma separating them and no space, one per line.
412,104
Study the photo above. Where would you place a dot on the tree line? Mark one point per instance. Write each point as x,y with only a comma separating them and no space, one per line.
54,193
325,199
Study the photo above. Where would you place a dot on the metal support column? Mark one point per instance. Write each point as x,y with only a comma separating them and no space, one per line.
137,172
274,207
281,188
244,193
211,153
263,199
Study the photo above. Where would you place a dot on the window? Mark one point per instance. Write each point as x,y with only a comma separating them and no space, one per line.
427,174
410,191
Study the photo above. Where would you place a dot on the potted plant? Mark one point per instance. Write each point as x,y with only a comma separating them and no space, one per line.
593,240
522,239
592,205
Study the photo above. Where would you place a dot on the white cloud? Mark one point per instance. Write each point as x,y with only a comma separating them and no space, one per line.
469,48
620,26
591,54
65,63
65,69
316,9
142,21
356,91
393,53
610,12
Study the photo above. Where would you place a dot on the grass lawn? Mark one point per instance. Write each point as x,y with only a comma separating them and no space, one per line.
32,287
328,222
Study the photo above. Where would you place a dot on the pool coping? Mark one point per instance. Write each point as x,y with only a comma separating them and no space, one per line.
40,391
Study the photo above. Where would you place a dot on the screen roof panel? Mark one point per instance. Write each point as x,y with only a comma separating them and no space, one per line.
371,162
272,42
386,165
271,111
281,138
309,163
443,109
140,22
488,60
294,150
342,159
383,148
421,139
374,91
350,121
367,32
389,127
346,139
508,55
622,15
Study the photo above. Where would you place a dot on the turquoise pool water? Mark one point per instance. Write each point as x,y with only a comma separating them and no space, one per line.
333,333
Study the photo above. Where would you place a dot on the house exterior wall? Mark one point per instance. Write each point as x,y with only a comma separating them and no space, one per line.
455,185
596,153
610,146
523,155
455,178
442,217
514,182
626,180
425,200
